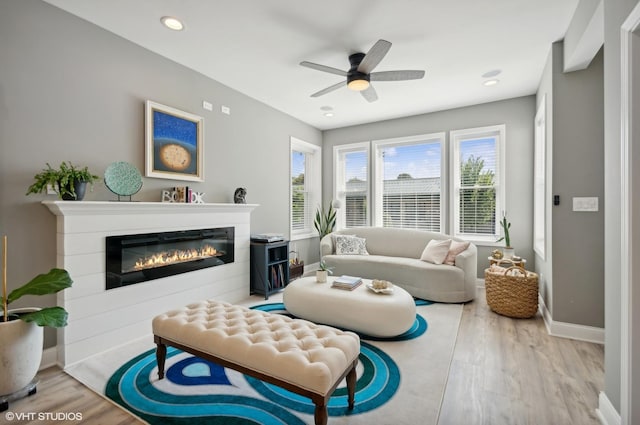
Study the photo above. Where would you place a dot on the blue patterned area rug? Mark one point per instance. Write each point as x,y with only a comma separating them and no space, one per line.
401,379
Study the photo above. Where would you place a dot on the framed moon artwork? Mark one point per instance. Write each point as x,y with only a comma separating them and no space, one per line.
174,143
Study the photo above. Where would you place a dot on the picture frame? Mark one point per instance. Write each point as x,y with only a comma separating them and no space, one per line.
174,143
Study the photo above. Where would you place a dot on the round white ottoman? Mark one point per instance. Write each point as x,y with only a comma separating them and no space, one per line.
360,310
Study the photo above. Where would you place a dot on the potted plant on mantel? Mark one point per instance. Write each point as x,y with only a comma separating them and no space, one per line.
21,332
68,181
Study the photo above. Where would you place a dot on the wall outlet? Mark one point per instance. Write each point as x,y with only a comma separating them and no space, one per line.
585,204
225,110
50,190
207,105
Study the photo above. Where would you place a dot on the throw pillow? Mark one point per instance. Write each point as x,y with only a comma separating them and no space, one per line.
335,241
350,245
436,251
455,249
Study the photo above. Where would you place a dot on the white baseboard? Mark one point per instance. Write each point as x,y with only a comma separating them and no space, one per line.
570,330
311,268
606,412
49,358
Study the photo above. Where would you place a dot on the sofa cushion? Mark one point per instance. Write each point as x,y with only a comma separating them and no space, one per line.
455,249
436,251
350,245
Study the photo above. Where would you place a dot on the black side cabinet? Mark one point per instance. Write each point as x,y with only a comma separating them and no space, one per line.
269,267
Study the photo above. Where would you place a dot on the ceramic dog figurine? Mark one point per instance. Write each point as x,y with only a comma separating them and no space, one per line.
239,196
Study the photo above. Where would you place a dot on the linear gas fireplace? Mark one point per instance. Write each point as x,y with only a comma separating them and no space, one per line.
137,258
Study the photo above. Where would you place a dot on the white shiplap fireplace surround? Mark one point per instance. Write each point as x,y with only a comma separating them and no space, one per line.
100,320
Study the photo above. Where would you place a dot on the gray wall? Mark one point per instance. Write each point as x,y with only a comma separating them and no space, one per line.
72,91
573,288
615,13
578,170
518,116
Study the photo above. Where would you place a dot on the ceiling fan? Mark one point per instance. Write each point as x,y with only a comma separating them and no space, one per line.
360,74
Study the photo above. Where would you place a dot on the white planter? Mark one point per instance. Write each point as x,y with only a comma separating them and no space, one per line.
508,253
321,276
20,352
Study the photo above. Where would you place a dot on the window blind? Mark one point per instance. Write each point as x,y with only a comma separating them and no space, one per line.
411,185
299,193
356,175
477,186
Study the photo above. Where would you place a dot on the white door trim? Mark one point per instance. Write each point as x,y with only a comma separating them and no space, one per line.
630,212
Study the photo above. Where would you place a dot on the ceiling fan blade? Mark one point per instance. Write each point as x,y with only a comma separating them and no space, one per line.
324,68
370,94
374,56
396,75
329,89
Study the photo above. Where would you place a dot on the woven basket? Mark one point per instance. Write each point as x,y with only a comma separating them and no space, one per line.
512,295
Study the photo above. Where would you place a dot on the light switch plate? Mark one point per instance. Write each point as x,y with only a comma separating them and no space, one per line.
585,204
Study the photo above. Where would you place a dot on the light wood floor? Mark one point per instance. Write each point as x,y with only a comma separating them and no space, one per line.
504,371
510,371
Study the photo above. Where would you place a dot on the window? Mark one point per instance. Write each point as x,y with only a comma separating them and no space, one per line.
539,209
477,182
305,187
352,184
408,182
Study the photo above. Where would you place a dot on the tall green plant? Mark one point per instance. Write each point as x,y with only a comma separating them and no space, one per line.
505,228
325,221
54,281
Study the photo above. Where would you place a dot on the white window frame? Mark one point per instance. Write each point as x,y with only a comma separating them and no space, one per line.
313,186
455,137
377,172
339,191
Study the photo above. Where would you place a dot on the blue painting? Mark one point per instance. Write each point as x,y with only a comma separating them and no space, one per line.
174,143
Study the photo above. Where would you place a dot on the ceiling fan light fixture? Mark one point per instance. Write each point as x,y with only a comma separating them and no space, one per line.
358,85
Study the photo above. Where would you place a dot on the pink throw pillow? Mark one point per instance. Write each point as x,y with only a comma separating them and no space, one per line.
436,251
455,249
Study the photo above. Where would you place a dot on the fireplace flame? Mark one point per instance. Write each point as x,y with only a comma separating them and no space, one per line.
176,256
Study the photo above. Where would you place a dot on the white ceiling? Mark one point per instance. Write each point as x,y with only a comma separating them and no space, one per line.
255,47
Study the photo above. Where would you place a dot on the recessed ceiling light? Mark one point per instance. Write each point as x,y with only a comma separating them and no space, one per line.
172,23
328,114
491,82
491,74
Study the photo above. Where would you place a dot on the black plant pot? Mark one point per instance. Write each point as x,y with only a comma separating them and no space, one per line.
80,187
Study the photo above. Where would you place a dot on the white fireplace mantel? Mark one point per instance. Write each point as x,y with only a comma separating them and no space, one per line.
101,319
67,208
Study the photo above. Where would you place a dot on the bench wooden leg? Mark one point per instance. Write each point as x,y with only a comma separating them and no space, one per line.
351,385
321,416
161,354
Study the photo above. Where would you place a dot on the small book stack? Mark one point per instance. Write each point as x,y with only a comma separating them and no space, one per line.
348,283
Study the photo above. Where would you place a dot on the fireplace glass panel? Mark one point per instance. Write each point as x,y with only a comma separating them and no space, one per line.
138,258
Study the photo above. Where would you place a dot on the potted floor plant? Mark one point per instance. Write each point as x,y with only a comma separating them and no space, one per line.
325,221
69,181
21,332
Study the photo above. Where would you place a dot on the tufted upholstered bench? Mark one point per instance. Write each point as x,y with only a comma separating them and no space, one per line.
295,354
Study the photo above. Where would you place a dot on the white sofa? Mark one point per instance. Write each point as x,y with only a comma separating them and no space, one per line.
394,255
